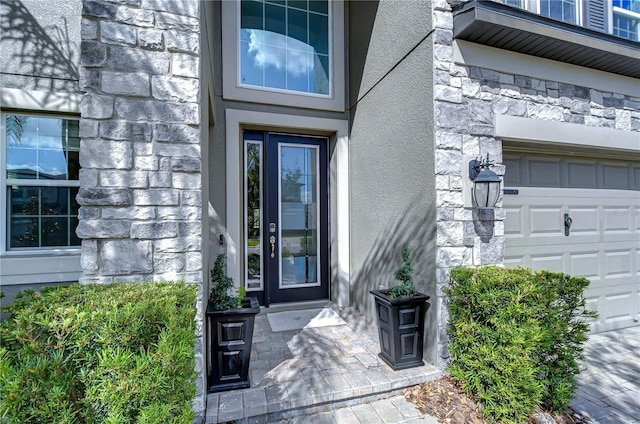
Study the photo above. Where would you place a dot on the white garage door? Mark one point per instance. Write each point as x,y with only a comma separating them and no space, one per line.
602,199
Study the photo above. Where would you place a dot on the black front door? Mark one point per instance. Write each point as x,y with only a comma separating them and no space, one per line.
286,220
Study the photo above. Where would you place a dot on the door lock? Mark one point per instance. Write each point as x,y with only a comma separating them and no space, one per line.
567,224
272,240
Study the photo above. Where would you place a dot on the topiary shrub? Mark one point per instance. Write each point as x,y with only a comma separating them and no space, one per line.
516,337
119,353
404,274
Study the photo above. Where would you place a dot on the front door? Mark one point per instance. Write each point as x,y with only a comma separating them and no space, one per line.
286,224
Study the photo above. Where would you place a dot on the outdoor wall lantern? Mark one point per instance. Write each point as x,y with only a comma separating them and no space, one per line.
486,184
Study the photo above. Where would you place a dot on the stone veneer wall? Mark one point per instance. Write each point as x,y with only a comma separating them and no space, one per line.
466,100
140,183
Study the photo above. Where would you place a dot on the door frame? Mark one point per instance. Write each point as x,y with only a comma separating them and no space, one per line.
337,131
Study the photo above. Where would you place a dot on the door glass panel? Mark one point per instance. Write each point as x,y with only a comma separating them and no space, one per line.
253,216
298,206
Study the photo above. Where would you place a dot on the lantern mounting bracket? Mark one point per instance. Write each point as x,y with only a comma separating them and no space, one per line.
477,165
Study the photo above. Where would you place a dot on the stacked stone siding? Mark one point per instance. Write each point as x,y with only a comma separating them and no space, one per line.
140,184
467,99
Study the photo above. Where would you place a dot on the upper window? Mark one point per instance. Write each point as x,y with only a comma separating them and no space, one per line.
285,45
40,168
287,52
626,15
617,17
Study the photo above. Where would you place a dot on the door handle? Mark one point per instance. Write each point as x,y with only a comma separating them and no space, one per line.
567,224
272,240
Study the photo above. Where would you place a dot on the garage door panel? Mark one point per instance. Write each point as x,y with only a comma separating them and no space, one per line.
544,220
603,200
585,264
618,264
513,224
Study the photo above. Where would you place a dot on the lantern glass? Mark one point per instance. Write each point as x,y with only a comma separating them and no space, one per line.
486,189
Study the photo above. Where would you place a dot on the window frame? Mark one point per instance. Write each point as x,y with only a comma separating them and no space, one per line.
233,90
5,183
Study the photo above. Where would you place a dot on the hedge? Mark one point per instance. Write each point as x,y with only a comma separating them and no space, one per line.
516,338
121,353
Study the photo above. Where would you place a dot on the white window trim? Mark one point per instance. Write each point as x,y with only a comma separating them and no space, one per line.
337,129
232,90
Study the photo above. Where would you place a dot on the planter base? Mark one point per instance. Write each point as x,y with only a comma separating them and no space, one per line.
230,334
400,329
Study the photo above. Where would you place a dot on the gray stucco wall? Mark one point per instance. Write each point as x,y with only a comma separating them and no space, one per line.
40,44
391,156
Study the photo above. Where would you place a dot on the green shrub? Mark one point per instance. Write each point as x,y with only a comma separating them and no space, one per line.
404,274
221,286
516,337
121,353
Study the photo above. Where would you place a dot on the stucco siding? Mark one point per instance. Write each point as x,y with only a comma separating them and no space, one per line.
391,152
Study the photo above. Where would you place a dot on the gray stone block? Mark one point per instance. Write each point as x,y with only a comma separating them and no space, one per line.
180,213
89,256
88,212
191,197
183,42
88,128
103,197
129,213
172,21
151,39
172,150
157,111
138,60
154,230
96,106
105,154
122,257
185,65
179,244
89,79
88,177
88,29
102,229
176,133
175,89
98,9
137,17
115,33
188,181
168,262
125,131
187,8
126,83
185,164
131,179
150,197
160,179
145,163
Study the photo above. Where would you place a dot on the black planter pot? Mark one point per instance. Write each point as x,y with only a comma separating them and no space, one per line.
400,328
230,334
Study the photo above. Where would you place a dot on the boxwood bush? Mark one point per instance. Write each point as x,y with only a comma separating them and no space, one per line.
516,338
121,353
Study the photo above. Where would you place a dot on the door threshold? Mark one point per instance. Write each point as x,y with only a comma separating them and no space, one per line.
295,306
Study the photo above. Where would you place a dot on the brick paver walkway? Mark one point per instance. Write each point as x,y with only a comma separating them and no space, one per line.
330,371
609,387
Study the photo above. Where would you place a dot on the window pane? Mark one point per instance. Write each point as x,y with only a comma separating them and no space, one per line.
253,182
43,216
278,45
42,148
24,232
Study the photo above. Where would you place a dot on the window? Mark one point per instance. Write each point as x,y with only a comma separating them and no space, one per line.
626,14
285,46
561,10
617,17
287,52
40,167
